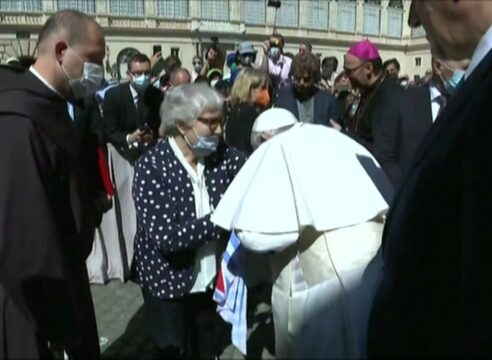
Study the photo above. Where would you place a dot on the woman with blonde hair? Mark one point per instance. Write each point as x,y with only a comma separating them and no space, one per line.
249,97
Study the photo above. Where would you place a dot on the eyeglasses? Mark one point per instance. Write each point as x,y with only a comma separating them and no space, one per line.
350,71
212,123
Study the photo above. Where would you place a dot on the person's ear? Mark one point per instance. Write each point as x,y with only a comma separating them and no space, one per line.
180,126
60,50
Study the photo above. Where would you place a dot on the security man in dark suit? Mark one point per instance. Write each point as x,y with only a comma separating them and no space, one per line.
131,111
409,115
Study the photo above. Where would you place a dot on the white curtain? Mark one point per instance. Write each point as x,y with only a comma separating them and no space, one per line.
173,9
346,16
85,6
318,14
127,7
288,14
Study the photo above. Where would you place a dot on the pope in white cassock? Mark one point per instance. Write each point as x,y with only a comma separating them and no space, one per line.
316,199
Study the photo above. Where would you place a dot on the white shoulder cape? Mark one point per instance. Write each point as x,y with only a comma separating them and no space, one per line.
309,175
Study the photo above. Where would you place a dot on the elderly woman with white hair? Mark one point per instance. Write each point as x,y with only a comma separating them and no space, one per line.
176,187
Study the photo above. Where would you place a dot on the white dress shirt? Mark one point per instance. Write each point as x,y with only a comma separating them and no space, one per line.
135,101
435,96
481,51
206,255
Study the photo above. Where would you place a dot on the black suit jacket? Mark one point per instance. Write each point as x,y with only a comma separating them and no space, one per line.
120,117
325,105
403,123
366,133
436,294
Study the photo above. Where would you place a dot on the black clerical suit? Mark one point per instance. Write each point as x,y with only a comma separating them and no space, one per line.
367,119
122,116
435,297
44,288
403,123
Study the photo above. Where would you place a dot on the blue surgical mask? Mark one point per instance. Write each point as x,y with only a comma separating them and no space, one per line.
89,82
274,53
204,146
141,82
452,84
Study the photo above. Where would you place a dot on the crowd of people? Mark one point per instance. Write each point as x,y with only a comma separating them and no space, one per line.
357,197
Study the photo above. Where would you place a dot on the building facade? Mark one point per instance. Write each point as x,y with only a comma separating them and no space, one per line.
188,27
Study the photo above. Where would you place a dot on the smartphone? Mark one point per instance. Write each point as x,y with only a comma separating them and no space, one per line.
156,49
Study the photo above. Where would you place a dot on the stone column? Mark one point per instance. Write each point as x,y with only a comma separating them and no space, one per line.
383,24
49,6
150,8
195,9
359,20
406,30
333,16
234,10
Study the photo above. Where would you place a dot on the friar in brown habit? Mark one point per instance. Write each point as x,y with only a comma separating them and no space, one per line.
45,299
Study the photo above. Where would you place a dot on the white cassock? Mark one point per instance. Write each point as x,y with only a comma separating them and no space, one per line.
318,199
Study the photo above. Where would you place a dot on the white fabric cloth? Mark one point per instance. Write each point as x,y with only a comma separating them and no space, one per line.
112,249
308,175
435,96
206,255
231,293
281,68
481,51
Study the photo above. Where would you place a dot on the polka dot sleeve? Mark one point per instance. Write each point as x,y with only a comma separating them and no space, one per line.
157,214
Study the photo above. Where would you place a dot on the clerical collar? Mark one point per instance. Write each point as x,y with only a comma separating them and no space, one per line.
44,81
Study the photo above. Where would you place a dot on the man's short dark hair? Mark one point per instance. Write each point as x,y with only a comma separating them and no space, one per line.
305,64
71,22
393,61
329,59
138,58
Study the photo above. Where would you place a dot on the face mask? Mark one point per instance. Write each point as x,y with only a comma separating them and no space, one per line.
404,84
247,60
263,98
274,53
89,83
141,82
214,82
452,84
204,146
233,66
198,67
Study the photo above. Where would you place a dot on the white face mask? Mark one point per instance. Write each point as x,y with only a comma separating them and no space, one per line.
89,83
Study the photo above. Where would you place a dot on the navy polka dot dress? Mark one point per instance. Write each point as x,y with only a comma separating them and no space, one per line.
168,232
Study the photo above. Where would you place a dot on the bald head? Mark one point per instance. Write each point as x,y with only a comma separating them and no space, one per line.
72,25
67,42
180,76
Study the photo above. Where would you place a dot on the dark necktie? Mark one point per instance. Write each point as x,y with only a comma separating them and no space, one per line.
140,113
442,101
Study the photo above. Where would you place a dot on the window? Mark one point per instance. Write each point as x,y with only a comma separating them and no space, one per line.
253,11
215,10
317,14
418,61
372,15
396,4
85,6
346,15
288,14
21,5
127,7
418,32
395,23
173,9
